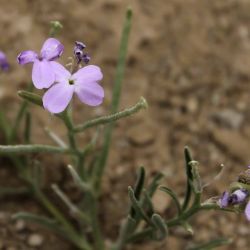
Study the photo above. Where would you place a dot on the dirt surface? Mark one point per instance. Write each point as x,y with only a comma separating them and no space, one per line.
190,59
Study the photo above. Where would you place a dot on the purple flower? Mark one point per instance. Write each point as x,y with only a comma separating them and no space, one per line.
84,83
237,197
4,65
43,75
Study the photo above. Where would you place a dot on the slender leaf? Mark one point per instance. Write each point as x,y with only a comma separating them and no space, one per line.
212,244
40,220
138,188
173,196
188,158
161,231
137,206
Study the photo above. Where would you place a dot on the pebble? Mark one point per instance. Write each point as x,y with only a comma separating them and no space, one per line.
35,240
141,135
233,142
228,118
20,225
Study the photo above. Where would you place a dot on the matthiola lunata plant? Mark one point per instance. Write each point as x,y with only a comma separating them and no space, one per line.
56,87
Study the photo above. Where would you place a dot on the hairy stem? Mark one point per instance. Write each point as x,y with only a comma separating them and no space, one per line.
35,148
142,104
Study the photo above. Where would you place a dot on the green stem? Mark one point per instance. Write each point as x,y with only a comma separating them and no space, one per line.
35,148
115,99
173,222
142,104
97,234
4,126
125,231
20,114
66,117
74,210
78,240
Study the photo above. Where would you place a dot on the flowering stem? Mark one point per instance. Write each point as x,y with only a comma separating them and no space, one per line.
66,117
142,104
115,98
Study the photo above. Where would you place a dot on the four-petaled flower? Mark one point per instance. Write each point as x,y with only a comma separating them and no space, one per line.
84,83
43,75
4,65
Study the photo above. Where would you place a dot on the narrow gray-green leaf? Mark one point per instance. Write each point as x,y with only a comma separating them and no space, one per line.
173,196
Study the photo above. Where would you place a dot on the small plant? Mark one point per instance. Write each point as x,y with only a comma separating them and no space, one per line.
142,222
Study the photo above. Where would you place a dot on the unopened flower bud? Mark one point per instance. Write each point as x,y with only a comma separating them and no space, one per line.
86,58
80,45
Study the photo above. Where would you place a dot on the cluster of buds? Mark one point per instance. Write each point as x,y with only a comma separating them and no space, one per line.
239,194
79,54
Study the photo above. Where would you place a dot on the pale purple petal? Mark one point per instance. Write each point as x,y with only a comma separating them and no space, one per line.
43,75
57,98
223,201
61,74
51,49
247,211
27,56
238,196
90,73
90,93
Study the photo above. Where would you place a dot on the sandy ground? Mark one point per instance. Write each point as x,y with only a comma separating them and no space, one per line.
190,59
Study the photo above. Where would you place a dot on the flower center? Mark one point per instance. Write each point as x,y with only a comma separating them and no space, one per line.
71,82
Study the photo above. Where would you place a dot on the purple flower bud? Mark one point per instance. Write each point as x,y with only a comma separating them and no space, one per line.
78,54
223,201
4,65
80,45
86,58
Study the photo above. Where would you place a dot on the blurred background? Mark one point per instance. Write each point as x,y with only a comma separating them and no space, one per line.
190,59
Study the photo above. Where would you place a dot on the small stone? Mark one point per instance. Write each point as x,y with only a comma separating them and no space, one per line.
192,105
20,225
141,134
233,142
228,118
35,240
